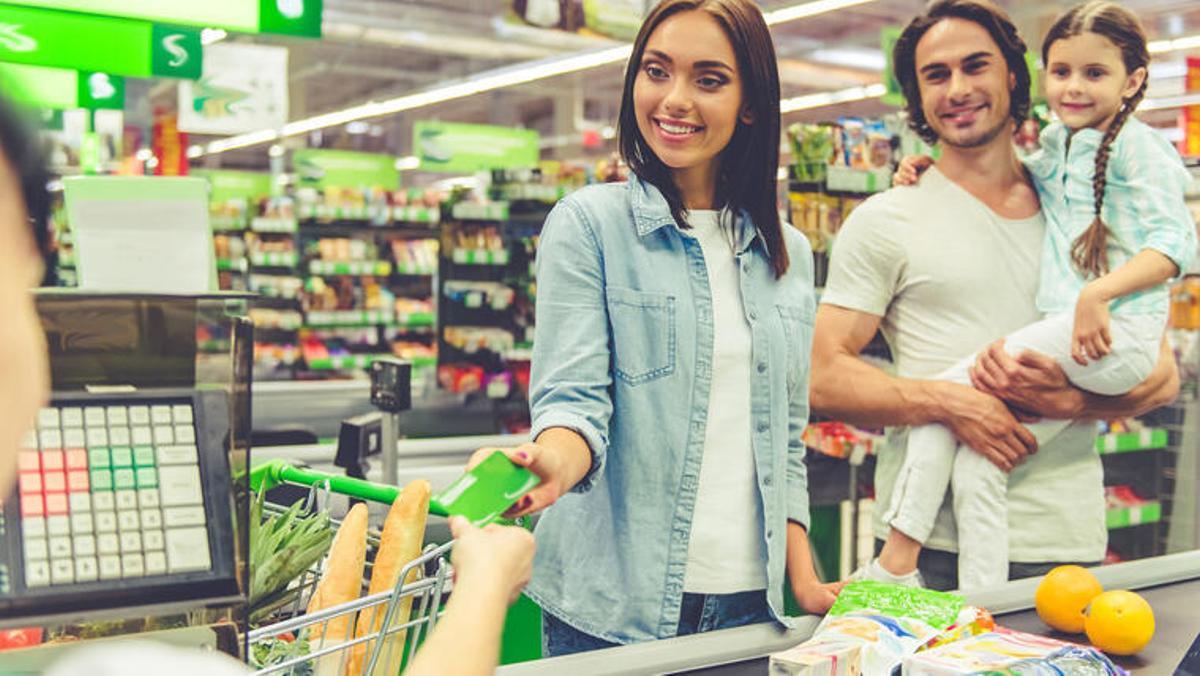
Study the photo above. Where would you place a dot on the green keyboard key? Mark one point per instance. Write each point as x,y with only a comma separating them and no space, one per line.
122,456
102,480
123,479
147,477
98,458
143,456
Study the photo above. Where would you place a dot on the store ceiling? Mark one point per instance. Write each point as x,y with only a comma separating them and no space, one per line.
378,49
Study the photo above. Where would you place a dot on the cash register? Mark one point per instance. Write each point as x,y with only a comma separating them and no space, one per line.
125,496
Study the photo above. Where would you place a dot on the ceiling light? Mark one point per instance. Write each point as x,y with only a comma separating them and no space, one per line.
1161,46
821,99
209,36
851,57
407,163
492,80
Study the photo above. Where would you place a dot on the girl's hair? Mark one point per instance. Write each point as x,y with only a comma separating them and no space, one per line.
20,145
750,162
1108,19
982,13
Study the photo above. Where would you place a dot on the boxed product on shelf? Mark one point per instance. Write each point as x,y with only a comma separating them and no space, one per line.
276,286
472,339
413,255
840,440
460,378
1185,304
493,295
270,318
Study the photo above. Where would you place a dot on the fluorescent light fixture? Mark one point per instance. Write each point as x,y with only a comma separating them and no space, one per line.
1175,45
1169,102
210,36
822,99
851,57
407,163
491,81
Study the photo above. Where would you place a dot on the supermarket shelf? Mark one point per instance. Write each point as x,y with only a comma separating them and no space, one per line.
274,225
416,215
360,361
411,270
231,265
1123,517
382,268
227,224
323,212
273,260
469,211
480,257
348,318
1130,442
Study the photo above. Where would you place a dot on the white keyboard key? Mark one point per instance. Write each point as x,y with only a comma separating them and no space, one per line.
33,527
82,524
160,415
86,569
177,455
184,434
36,549
117,415
156,563
84,545
175,517
106,522
30,440
72,417
80,502
187,550
48,417
74,438
179,486
58,525
62,572
152,518
97,437
148,497
60,548
141,436
95,416
51,439
131,542
182,413
119,436
139,415
152,540
163,434
37,574
127,499
103,500
128,521
108,543
133,565
110,567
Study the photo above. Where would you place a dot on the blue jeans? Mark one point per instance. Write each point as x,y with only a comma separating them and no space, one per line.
699,613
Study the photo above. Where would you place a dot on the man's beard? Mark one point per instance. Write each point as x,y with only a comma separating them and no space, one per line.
979,141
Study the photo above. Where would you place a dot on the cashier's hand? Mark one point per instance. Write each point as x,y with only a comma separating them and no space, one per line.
492,557
817,597
539,459
983,422
1032,384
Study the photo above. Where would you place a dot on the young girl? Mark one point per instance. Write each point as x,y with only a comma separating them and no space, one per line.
1117,230
670,371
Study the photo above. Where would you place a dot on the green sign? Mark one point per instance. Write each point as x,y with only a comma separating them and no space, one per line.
345,169
61,89
895,94
229,185
291,17
465,148
98,43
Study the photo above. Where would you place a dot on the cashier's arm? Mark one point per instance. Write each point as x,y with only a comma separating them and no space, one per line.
846,388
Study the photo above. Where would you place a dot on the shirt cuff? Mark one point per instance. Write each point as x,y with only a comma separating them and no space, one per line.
579,424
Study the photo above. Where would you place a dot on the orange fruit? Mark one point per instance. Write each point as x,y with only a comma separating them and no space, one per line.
1063,595
1119,622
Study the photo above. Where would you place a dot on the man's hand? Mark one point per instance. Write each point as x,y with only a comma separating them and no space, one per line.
984,423
1030,382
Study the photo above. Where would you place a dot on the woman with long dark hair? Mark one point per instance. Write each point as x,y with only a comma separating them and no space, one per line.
670,369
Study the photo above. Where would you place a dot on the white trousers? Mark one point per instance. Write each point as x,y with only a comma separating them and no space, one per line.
935,461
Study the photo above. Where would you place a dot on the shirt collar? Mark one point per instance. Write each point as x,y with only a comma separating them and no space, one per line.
651,212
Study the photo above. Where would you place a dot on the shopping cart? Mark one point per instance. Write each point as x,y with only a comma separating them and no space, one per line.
283,647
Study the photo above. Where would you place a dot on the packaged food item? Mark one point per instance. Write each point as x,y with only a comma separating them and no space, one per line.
818,658
1010,652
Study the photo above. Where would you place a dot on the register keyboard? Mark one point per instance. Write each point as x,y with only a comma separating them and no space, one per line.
117,497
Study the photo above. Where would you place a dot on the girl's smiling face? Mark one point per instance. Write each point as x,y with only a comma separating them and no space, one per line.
1086,81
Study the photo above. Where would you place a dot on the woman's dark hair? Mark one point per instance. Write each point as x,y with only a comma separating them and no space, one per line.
750,162
981,12
21,146
1089,253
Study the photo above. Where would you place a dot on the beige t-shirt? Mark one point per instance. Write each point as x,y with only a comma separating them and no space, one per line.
948,276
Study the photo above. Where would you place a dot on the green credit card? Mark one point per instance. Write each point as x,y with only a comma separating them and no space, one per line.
485,492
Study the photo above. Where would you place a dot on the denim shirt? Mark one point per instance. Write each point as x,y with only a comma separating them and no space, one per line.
623,356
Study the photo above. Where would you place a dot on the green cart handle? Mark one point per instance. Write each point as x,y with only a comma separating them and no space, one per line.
275,472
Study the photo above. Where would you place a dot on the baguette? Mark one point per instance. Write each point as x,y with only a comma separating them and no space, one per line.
341,583
403,535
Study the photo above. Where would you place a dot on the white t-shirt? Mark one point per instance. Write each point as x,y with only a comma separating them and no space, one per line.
726,552
948,276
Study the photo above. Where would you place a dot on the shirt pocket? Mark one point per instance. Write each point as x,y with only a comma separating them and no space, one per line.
797,320
643,328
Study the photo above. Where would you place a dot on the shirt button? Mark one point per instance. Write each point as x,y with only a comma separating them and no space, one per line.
762,367
753,314
762,427
770,534
766,481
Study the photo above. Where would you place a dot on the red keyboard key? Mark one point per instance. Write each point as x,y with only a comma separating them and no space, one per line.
32,505
77,458
52,461
56,504
77,481
29,461
54,482
31,482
